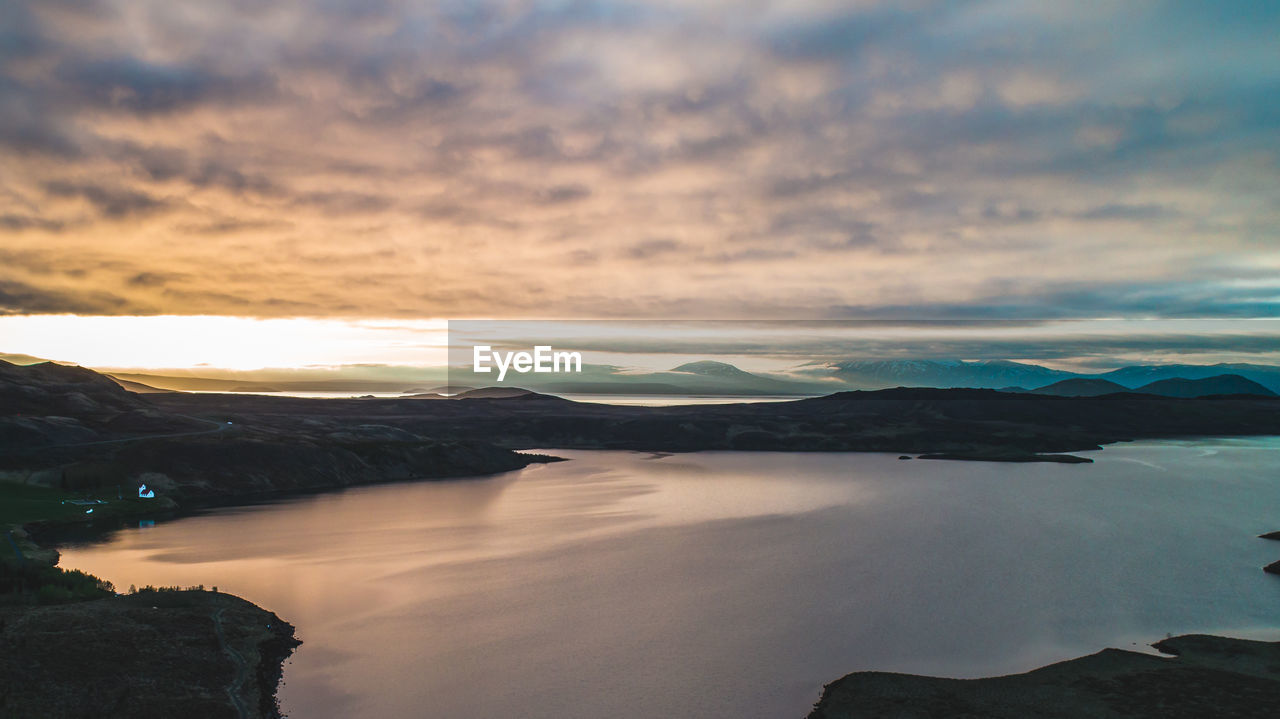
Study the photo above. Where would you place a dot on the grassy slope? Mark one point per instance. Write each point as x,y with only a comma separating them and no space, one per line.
24,503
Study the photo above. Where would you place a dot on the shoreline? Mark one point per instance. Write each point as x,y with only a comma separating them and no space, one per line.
165,652
1194,676
1083,671
918,692
44,532
148,652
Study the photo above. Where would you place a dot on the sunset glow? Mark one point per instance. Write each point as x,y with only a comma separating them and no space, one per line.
603,159
235,343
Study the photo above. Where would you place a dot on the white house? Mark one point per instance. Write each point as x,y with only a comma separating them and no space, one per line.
144,493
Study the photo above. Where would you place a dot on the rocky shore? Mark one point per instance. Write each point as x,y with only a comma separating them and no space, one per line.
1199,676
154,653
1203,676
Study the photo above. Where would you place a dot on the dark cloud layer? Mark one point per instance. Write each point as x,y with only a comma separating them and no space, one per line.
393,158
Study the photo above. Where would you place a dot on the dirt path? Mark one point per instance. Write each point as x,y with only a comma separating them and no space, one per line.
242,669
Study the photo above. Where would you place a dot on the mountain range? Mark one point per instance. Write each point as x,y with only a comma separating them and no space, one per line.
709,377
1225,384
1009,375
976,374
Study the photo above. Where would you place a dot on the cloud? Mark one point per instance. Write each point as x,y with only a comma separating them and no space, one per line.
131,85
564,193
152,279
111,202
13,222
652,248
484,158
1115,211
21,298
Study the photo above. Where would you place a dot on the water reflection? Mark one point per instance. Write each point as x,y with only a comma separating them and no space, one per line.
725,584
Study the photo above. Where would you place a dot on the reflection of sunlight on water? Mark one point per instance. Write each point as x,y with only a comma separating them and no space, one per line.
636,585
1142,462
711,486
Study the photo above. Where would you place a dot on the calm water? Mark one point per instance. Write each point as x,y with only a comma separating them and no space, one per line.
727,584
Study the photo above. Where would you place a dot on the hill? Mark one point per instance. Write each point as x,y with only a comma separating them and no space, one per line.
147,654
249,444
976,374
51,404
710,368
1226,384
48,388
690,379
76,430
977,423
710,377
1081,387
1138,375
138,387
1198,676
195,383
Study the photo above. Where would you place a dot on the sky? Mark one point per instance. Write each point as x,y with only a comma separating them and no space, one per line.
365,161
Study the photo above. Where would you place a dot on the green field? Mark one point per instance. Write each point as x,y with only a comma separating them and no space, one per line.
22,503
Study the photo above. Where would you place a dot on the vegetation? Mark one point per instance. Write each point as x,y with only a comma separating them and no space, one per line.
24,503
28,582
150,654
168,597
21,503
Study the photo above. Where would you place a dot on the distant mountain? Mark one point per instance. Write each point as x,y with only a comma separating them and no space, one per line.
626,385
136,387
441,390
47,403
705,377
1081,387
494,393
1139,375
481,393
196,383
54,389
728,379
711,368
977,374
21,359
693,378
1013,376
1220,385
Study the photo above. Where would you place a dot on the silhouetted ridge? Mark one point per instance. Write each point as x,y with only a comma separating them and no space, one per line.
1226,384
923,393
1081,387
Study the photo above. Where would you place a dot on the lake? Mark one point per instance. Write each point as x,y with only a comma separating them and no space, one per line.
727,584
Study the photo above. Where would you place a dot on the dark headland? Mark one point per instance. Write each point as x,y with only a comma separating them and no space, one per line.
1198,676
152,654
1202,676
